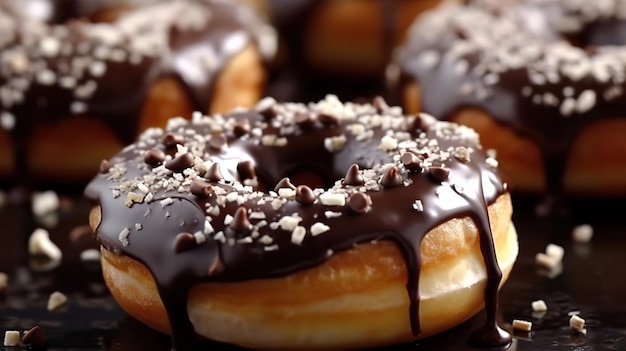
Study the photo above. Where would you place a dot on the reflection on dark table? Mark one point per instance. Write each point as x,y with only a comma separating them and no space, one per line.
590,282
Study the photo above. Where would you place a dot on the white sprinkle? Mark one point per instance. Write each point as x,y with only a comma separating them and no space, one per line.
97,68
7,121
228,219
334,144
166,202
39,243
319,228
78,107
586,101
123,237
332,199
200,237
546,261
56,300
418,206
522,325
149,197
50,46
44,203
231,197
555,251
208,228
568,106
257,215
428,59
266,240
46,77
539,306
286,193
138,226
143,188
90,255
491,162
289,223
11,338
577,323
388,143
298,234
332,214
582,233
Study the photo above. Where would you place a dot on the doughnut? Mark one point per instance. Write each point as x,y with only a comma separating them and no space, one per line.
348,39
204,230
541,81
81,79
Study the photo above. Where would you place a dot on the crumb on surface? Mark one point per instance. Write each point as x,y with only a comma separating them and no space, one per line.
11,338
582,233
56,300
522,325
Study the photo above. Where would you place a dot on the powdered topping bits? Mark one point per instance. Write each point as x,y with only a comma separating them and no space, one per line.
56,301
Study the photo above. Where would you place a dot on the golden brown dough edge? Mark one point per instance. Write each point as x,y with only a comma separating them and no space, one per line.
355,299
595,164
85,141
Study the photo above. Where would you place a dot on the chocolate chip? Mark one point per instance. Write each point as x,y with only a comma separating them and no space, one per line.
216,267
380,104
411,162
419,122
439,174
105,166
240,221
217,141
328,120
154,157
170,140
284,183
360,202
35,336
305,120
304,195
391,178
180,163
213,174
200,189
183,242
245,169
241,128
353,176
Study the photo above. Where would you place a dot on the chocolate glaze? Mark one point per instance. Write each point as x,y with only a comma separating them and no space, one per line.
56,64
239,247
513,63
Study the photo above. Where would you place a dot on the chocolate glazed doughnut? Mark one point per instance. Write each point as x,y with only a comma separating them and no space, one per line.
541,81
406,229
82,78
343,41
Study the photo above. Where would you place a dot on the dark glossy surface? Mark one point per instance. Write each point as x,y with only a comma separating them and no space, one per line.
591,282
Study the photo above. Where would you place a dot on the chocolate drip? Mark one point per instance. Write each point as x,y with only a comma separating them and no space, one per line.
543,97
70,69
372,211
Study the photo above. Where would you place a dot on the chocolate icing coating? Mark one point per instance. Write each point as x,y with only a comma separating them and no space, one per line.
250,234
55,64
512,59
